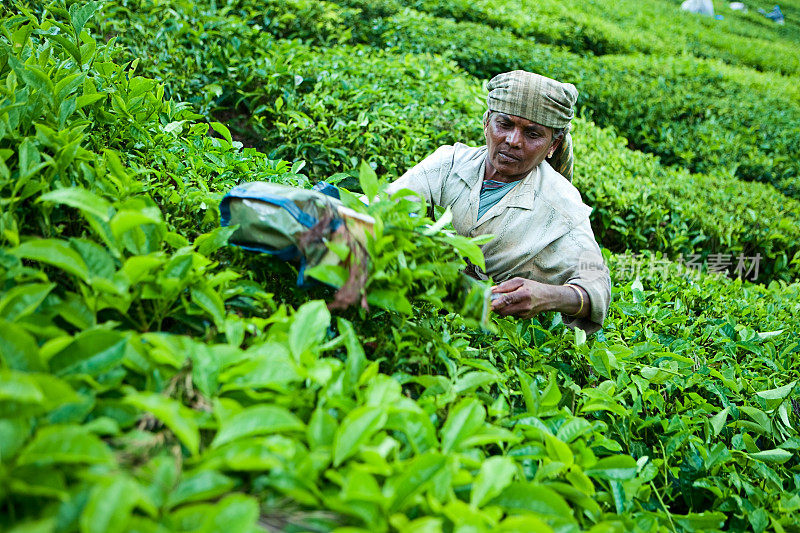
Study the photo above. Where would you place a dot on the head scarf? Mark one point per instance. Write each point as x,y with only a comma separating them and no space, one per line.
539,99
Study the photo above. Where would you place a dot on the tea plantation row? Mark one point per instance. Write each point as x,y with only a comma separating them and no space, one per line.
153,379
626,27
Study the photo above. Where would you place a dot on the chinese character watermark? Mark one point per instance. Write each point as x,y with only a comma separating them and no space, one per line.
722,264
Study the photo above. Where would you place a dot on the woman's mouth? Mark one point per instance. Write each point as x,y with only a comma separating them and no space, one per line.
505,157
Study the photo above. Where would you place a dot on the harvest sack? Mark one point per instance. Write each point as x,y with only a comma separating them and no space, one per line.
290,223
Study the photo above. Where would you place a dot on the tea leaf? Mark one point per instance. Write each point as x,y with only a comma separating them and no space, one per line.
80,14
776,455
355,430
464,420
86,201
256,420
529,497
65,444
614,468
175,416
309,327
56,253
110,504
495,475
779,393
414,478
368,180
202,485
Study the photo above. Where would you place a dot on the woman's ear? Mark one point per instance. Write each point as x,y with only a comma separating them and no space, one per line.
554,147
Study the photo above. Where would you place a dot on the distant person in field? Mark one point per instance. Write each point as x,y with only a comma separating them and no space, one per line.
775,15
701,7
517,187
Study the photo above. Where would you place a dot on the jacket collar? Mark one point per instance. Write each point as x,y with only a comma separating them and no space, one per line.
471,171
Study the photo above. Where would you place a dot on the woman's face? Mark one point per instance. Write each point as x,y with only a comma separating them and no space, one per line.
515,146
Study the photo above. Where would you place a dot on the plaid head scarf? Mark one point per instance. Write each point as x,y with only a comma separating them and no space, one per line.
539,99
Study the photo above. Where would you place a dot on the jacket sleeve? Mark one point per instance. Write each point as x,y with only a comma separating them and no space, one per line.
427,177
575,258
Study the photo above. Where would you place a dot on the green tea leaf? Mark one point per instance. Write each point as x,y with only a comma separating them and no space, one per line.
60,444
573,429
464,419
208,243
718,420
309,327
414,477
355,430
18,350
495,475
777,455
390,300
80,14
176,417
209,301
530,497
23,300
779,393
616,467
86,201
530,395
89,99
223,130
128,219
235,513
92,352
256,420
110,504
558,450
368,180
56,253
19,387
202,485
321,429
356,360
468,249
701,521
442,221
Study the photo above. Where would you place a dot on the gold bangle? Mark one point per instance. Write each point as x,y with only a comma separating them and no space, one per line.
580,295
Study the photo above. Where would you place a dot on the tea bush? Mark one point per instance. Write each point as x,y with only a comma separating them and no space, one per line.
152,379
694,115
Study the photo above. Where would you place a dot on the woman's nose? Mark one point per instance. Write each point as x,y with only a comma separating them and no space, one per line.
513,137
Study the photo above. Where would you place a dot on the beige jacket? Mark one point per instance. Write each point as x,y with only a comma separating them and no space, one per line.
541,226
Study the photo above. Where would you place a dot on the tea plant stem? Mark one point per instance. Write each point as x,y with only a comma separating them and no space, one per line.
661,501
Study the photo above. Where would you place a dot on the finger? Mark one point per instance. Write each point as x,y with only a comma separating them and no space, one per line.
508,286
518,309
506,299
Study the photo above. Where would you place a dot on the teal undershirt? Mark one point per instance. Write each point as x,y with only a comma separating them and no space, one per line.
489,197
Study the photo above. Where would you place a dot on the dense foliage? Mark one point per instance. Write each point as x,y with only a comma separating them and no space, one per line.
154,379
296,100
